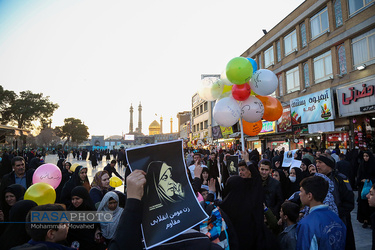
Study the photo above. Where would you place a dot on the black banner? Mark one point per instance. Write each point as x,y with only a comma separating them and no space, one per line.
170,206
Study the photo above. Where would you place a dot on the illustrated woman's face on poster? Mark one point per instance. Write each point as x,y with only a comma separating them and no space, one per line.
166,182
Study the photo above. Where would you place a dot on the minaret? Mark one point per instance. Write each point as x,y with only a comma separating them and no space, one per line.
171,125
161,125
131,119
140,118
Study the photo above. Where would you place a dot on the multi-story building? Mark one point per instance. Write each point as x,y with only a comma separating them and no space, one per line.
201,117
323,54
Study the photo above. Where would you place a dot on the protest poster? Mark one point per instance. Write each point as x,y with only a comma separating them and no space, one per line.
232,165
295,164
170,206
288,158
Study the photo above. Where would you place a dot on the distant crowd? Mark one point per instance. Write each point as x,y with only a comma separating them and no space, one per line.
254,203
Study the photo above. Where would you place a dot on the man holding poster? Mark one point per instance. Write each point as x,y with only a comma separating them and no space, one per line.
169,207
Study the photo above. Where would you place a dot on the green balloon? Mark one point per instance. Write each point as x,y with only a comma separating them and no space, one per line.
239,70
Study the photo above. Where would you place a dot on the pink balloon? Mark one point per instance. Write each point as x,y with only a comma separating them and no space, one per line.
48,173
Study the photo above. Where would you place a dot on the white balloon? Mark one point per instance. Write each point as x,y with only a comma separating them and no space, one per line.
227,112
211,88
263,82
224,79
252,109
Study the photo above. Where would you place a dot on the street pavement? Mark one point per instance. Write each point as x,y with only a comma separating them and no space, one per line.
363,236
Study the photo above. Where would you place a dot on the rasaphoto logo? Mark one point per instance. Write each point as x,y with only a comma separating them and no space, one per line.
71,217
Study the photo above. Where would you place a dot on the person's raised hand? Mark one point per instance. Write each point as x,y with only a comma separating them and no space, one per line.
135,184
212,185
198,171
245,156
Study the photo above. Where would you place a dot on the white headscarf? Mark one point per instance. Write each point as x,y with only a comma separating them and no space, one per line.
109,229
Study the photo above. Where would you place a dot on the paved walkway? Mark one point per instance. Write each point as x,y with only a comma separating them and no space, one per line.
363,236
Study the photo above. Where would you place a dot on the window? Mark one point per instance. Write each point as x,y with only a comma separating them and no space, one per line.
260,61
280,79
205,124
363,47
268,57
338,13
292,80
358,5
306,77
194,128
278,51
201,108
205,106
303,35
193,112
319,23
323,67
342,59
290,43
201,125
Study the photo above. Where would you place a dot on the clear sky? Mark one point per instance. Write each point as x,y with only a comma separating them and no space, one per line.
95,58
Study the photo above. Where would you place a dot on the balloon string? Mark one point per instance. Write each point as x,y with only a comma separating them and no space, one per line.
242,137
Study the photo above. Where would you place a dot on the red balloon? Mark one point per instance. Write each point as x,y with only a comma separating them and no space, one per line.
252,128
241,92
273,109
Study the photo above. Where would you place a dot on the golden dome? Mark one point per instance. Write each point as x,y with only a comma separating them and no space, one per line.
154,124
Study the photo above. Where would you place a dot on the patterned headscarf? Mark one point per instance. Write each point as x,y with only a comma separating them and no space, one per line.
109,229
97,181
330,199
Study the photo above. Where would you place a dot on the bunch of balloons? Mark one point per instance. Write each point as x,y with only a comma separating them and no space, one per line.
46,179
242,92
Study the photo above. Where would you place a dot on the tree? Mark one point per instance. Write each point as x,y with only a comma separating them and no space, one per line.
47,138
26,108
6,96
73,130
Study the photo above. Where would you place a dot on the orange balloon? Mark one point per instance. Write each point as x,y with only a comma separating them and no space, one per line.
252,128
272,108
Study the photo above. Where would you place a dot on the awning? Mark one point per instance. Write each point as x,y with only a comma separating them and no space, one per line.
4,129
235,135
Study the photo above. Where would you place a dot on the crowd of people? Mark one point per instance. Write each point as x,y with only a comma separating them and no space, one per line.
263,205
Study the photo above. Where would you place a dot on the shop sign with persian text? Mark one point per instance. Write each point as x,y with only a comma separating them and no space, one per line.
356,98
314,107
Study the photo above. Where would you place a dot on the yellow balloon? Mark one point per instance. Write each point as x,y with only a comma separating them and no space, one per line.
115,182
227,88
74,166
252,93
42,193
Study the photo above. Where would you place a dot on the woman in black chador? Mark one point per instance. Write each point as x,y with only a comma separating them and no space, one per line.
366,171
160,184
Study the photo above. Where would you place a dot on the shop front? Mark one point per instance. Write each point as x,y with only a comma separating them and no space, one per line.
254,142
284,136
356,102
311,115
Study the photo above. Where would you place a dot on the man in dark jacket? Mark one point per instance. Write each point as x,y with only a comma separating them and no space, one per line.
344,167
343,194
271,187
17,176
110,168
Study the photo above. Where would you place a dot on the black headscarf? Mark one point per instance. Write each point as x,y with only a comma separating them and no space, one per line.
73,182
87,204
294,186
306,173
366,168
283,182
18,191
17,231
